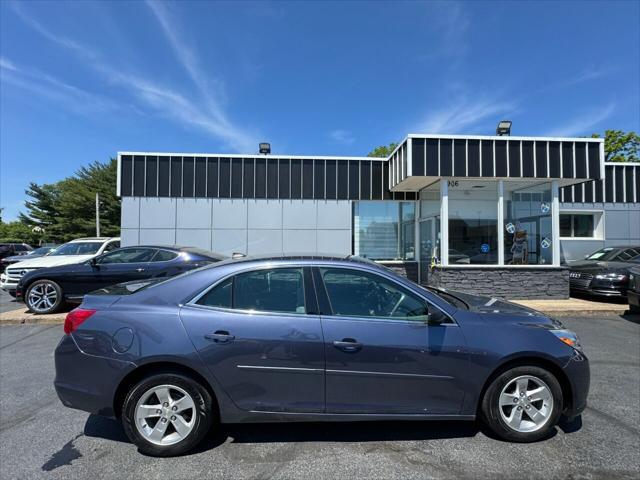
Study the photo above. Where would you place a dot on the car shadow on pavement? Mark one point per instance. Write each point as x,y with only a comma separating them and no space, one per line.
355,432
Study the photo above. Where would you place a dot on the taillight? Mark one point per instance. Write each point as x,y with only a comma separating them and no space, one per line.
75,318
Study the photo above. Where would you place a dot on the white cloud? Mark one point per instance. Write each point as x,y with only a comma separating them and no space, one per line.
583,124
344,137
201,110
464,113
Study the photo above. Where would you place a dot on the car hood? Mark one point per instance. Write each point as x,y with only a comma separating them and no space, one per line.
52,261
597,266
484,304
21,258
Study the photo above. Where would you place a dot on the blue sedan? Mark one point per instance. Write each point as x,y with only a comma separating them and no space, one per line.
312,339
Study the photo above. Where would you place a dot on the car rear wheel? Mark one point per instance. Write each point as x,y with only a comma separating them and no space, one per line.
44,296
167,414
523,404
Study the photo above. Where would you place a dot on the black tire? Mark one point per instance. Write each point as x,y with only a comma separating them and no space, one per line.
634,309
490,407
204,417
42,309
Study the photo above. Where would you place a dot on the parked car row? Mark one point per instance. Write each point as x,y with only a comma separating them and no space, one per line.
11,250
67,273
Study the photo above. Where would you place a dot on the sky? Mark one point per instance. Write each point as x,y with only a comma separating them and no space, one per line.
80,81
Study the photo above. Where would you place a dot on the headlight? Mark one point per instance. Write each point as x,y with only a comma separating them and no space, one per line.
611,276
568,337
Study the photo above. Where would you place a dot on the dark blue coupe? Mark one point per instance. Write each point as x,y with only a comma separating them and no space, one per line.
312,339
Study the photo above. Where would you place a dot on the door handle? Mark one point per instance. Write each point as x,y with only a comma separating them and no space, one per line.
347,345
220,336
139,269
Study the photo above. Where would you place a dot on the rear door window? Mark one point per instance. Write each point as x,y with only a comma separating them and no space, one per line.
164,256
279,290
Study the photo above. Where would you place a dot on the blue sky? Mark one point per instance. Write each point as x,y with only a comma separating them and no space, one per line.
82,80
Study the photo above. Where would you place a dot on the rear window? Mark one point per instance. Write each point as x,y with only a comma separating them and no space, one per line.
127,288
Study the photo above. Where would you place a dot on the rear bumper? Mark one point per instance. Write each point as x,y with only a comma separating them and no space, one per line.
579,375
87,382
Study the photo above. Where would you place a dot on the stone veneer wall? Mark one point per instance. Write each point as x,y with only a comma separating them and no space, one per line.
508,283
406,269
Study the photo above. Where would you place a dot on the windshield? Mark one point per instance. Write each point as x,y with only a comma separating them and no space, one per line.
77,248
601,254
41,251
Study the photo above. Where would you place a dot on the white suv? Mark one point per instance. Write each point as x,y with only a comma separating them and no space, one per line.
75,251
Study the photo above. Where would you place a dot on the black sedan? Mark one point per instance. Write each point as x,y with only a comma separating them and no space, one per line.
633,294
46,290
605,272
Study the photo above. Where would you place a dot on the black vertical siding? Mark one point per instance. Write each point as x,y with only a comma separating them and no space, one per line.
527,159
599,197
608,184
619,179
588,192
343,180
225,178
473,160
501,158
446,162
365,180
187,176
581,160
554,159
175,174
330,176
248,170
272,178
594,160
261,178
417,153
628,171
514,158
151,181
212,177
432,157
541,159
284,175
296,178
318,179
376,179
163,176
487,158
567,159
307,178
201,177
126,175
354,179
236,178
460,158
386,194
138,176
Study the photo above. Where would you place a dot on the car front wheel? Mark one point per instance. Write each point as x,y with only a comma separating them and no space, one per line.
167,414
523,404
44,296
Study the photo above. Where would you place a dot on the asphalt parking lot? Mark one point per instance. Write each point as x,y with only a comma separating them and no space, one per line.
39,438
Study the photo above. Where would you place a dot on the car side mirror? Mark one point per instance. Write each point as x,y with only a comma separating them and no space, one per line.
93,262
436,317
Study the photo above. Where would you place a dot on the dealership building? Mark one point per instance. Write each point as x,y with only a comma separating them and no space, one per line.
488,214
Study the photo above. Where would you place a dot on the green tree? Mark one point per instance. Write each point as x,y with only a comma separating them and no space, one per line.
17,231
382,151
66,209
620,146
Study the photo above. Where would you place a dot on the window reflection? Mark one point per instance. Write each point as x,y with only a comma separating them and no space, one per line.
384,230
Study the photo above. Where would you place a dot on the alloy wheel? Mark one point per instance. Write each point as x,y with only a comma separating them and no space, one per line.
42,297
526,404
165,415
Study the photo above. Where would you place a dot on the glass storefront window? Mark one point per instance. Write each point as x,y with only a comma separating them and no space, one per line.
384,230
473,222
528,224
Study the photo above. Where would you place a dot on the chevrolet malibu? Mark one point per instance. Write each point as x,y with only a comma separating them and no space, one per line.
286,339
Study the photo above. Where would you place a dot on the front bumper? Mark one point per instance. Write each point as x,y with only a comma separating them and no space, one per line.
87,382
578,373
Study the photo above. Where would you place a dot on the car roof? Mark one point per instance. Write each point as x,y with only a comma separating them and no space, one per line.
93,239
180,248
344,259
